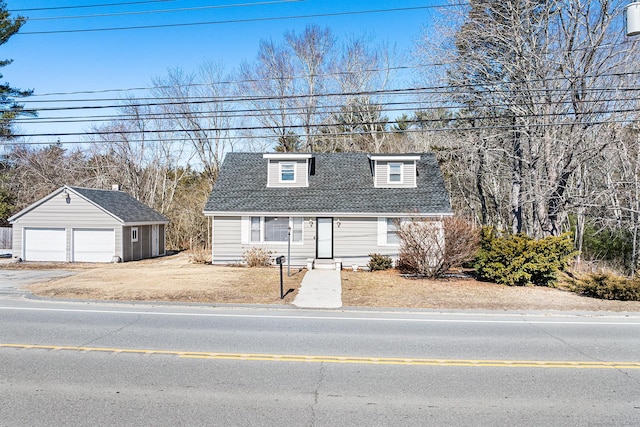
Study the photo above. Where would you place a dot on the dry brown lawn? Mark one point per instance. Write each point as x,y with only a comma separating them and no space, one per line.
170,278
173,278
389,289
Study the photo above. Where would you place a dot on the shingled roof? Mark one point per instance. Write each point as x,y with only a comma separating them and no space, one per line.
121,205
339,182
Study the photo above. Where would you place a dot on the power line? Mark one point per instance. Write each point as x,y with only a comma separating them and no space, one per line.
235,82
319,137
287,111
448,88
86,6
258,99
355,125
149,12
238,21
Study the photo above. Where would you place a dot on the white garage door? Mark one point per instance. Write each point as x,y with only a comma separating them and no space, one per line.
93,245
45,244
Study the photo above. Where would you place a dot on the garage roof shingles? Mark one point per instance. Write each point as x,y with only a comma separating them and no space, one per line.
339,182
121,205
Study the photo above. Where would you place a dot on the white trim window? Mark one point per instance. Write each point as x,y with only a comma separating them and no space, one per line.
256,229
388,231
395,173
276,229
272,229
288,172
134,234
297,225
392,231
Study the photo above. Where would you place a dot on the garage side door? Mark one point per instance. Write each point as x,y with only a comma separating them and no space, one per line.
45,244
93,245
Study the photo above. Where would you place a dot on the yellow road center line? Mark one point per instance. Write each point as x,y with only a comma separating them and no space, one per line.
343,359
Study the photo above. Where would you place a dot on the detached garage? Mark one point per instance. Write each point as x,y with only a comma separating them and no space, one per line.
75,224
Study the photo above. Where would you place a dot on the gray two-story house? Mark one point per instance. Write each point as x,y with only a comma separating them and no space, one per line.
321,206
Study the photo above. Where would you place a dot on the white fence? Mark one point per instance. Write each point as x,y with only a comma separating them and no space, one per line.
6,238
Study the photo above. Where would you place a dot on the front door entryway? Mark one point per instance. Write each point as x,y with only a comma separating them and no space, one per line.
324,238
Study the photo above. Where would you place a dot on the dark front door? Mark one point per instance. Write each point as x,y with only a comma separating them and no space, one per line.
324,238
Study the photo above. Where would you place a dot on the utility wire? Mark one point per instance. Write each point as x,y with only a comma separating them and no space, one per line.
87,6
148,12
259,99
318,137
236,21
356,126
447,88
236,82
323,110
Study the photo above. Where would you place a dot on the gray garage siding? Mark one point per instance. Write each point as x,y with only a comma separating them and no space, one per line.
143,248
56,212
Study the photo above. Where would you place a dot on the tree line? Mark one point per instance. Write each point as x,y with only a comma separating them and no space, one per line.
530,106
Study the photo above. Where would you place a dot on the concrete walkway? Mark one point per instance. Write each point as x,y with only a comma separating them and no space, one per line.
320,289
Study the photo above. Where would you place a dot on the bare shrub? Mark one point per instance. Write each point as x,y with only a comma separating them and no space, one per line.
199,256
257,257
430,248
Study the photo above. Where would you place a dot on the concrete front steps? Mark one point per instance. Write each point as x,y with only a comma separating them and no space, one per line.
324,264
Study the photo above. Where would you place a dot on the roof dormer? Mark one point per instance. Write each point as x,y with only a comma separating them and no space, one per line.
288,169
394,171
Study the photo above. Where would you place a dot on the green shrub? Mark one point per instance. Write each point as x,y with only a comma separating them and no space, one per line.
257,257
607,286
380,262
521,260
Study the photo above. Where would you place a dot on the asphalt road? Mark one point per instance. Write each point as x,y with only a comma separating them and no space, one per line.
126,364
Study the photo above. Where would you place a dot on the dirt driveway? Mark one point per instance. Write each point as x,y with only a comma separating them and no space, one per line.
173,278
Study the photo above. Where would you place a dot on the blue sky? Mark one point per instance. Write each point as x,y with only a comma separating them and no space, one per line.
122,59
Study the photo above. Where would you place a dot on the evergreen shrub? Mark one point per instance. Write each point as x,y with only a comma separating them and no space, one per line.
380,262
608,286
521,260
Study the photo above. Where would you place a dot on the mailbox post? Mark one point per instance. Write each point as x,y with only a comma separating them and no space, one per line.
280,262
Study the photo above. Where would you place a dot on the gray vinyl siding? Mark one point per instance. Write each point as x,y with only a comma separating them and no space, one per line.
353,241
300,252
227,240
356,238
228,247
162,250
382,174
57,213
274,174
143,248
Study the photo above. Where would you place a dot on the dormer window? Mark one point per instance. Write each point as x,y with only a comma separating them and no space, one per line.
288,169
287,172
394,170
395,173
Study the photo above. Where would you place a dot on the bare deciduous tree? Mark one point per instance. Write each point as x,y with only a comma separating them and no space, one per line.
535,81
